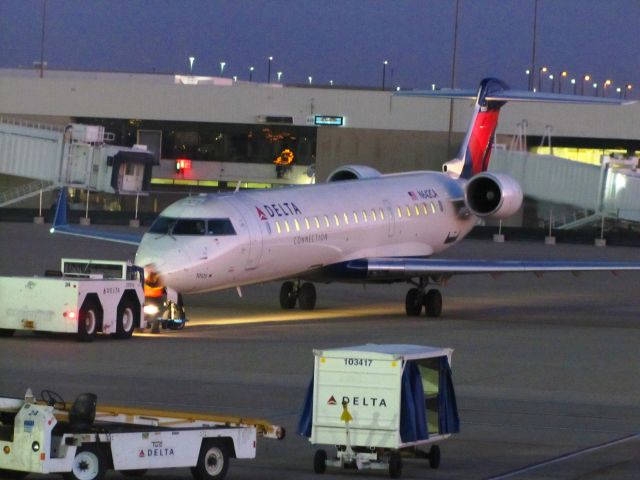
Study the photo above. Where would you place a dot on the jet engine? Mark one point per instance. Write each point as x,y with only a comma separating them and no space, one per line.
353,172
494,195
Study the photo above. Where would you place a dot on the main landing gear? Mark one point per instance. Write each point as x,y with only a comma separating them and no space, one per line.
419,297
303,293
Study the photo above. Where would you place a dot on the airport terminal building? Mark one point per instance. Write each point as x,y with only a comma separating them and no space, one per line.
209,133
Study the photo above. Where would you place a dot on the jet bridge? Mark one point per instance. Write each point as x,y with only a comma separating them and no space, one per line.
610,190
45,157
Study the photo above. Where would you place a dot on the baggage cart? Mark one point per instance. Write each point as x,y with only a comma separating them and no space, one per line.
377,403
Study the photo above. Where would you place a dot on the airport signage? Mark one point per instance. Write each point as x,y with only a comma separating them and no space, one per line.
333,120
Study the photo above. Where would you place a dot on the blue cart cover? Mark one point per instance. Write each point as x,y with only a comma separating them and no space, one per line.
413,422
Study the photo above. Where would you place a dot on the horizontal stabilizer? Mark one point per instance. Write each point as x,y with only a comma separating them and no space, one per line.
516,96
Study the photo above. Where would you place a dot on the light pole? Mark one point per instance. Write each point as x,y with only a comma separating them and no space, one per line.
384,72
331,82
595,88
310,79
44,22
542,71
619,90
553,82
575,85
527,72
533,46
191,60
222,65
251,73
627,89
586,78
563,75
279,74
605,85
270,59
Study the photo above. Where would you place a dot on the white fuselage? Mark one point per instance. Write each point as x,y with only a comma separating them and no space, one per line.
290,232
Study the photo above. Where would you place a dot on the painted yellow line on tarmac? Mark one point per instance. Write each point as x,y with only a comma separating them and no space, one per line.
298,316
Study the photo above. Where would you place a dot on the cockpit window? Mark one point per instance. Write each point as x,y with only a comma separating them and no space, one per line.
220,226
192,226
162,225
189,226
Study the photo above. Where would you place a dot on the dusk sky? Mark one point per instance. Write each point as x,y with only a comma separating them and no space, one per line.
341,40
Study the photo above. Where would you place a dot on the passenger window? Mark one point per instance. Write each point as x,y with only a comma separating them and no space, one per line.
373,215
306,223
317,222
326,221
355,217
381,214
424,208
286,226
441,206
417,209
408,210
364,216
398,212
346,218
336,219
278,229
433,207
297,224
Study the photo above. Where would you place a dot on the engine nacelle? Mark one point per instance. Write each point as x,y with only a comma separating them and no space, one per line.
494,195
353,172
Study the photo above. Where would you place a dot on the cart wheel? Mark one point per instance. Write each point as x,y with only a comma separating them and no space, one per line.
213,461
434,456
89,464
395,465
320,461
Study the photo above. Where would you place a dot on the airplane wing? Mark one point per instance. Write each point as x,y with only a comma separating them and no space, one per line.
60,225
400,268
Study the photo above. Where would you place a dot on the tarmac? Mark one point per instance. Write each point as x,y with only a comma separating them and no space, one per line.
545,369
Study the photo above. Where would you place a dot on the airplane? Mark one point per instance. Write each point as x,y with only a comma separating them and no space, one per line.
361,226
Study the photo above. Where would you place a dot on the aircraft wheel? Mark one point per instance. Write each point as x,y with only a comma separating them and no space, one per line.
413,302
433,303
288,295
307,296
